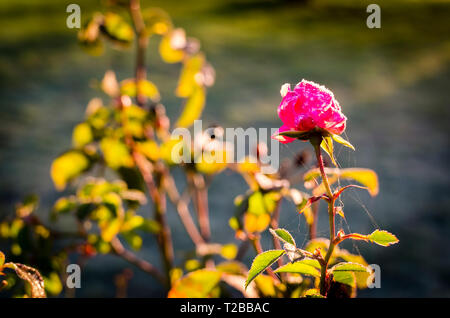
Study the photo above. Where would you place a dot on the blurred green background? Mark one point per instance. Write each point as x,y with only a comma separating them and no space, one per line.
393,84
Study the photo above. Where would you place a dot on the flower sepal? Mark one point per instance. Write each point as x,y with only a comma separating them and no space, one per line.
316,133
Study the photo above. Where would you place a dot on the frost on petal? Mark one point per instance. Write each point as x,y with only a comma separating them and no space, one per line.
285,88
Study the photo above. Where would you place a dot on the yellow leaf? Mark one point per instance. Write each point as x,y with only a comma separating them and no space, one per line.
327,145
156,21
116,153
149,149
145,87
193,108
229,251
108,230
117,28
187,83
68,166
367,177
169,54
211,163
197,284
82,135
172,151
256,223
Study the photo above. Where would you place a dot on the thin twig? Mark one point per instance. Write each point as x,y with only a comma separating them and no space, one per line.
183,211
145,266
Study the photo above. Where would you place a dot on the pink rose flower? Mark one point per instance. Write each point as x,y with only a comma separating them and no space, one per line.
309,107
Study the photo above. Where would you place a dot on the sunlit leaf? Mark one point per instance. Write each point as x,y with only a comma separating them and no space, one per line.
2,260
261,262
68,166
283,235
349,267
117,28
82,135
256,204
383,238
232,267
53,284
156,21
366,177
172,150
168,53
345,277
110,229
134,240
193,108
116,153
32,276
313,293
144,87
229,251
212,162
88,36
265,285
327,145
197,284
299,268
342,141
149,148
256,223
187,83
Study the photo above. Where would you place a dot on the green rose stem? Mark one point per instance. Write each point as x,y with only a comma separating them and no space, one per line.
315,141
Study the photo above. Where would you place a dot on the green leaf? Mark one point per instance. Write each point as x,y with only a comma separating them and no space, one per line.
383,238
32,276
53,284
302,135
256,204
342,141
345,277
261,262
327,145
197,284
63,205
68,166
313,293
299,268
349,267
283,235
